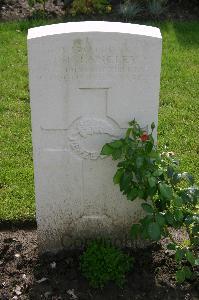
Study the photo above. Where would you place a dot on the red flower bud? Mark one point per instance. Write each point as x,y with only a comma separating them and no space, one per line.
144,137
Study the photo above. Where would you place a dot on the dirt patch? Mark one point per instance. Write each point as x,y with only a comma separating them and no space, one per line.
20,9
26,275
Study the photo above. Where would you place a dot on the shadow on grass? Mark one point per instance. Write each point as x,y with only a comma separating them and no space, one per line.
186,33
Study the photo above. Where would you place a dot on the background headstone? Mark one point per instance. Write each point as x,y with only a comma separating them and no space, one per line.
87,81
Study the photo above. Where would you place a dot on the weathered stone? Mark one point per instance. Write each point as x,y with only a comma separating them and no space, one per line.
87,80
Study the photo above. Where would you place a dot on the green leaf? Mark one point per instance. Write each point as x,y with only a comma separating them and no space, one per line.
179,254
190,258
154,231
117,153
107,150
160,219
157,173
171,246
178,214
147,207
125,181
139,162
133,123
187,272
144,234
140,193
148,146
128,132
165,191
195,242
135,231
152,181
170,218
132,195
155,155
116,144
189,220
176,177
117,176
146,220
178,201
180,276
188,177
185,196
170,171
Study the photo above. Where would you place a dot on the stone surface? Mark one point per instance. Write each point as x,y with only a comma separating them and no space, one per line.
87,80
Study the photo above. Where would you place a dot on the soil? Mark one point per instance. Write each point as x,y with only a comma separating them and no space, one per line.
26,275
19,9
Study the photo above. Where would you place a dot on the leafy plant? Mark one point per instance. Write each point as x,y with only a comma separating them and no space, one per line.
88,7
101,263
169,197
129,9
156,7
43,2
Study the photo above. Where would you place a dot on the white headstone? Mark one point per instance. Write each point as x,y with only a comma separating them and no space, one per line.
87,81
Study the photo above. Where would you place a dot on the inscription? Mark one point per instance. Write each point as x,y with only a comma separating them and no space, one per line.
85,59
99,64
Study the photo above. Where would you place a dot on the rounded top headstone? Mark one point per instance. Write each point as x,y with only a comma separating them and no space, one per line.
93,26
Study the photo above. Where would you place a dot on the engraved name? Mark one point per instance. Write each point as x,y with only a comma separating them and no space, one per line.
99,63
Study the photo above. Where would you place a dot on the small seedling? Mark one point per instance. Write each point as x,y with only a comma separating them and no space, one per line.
102,263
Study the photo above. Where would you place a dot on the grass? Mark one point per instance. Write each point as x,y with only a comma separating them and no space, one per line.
178,114
179,95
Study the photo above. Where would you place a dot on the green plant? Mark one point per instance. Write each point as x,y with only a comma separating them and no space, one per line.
88,7
169,197
156,7
129,9
101,263
33,2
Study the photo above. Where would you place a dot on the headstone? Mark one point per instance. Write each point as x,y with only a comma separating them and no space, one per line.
87,81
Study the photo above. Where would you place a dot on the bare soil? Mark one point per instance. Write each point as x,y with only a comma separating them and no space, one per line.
26,275
20,9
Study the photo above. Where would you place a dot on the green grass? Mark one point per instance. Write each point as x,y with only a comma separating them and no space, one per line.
179,95
178,114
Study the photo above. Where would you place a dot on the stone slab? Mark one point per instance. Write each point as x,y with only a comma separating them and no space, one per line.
87,81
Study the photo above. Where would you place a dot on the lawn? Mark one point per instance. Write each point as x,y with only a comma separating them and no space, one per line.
178,114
